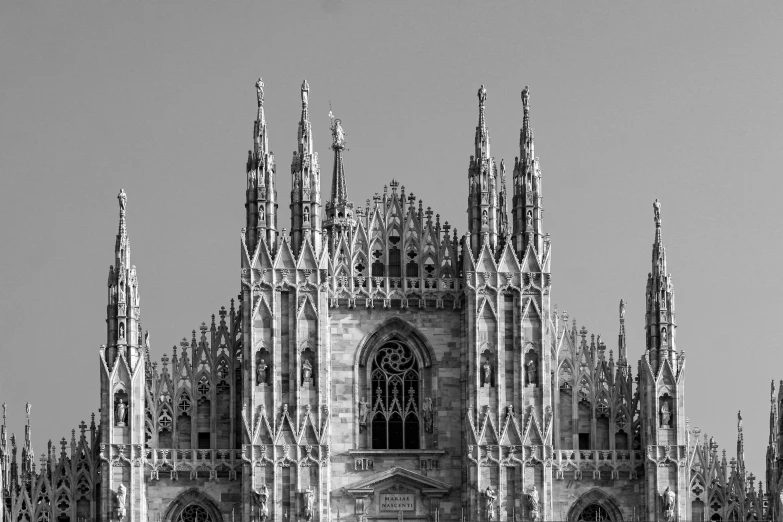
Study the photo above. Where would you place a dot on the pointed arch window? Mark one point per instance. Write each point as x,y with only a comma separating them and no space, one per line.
194,513
396,389
594,513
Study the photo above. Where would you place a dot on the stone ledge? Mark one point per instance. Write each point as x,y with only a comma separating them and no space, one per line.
392,453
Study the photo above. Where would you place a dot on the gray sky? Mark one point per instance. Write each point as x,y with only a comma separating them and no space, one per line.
630,101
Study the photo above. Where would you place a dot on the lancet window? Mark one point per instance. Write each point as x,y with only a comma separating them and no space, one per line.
396,389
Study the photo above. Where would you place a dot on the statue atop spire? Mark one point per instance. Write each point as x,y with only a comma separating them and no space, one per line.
526,99
260,92
482,95
123,199
338,134
622,309
657,211
305,93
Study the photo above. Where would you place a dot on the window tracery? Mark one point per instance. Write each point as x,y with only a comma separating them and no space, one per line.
194,513
594,513
395,411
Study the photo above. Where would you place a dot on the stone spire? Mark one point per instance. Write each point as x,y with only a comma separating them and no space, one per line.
483,218
503,230
28,455
527,209
123,310
621,347
339,211
740,446
261,195
660,316
305,184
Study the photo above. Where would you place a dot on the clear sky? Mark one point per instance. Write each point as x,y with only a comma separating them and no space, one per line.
630,101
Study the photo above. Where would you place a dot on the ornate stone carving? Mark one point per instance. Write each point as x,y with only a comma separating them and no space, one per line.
121,494
363,414
120,411
667,500
262,499
491,496
533,503
427,413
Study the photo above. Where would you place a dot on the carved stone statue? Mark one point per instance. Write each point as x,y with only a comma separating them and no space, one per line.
657,210
533,503
338,134
484,218
665,414
363,414
119,413
482,95
667,500
121,494
487,373
122,331
262,498
261,372
309,501
526,96
622,309
426,411
532,371
529,219
123,199
307,370
491,497
260,92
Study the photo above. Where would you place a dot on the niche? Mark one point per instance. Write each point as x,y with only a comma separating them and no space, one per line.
308,368
531,368
263,367
621,440
487,369
120,408
665,411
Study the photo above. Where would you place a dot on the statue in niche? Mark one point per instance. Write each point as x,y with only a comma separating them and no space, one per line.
664,337
667,499
309,495
487,373
363,414
533,503
261,498
491,497
529,219
261,372
119,413
307,370
426,411
666,414
121,494
306,215
484,218
532,371
122,331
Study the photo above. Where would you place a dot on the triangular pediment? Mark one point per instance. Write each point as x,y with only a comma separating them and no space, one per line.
399,476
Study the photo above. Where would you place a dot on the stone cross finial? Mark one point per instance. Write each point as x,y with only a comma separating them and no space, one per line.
82,427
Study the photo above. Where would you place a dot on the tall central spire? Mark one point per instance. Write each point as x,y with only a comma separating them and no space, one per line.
339,211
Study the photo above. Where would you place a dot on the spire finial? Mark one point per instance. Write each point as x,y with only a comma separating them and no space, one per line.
657,212
260,92
482,96
622,310
27,411
338,134
305,93
123,199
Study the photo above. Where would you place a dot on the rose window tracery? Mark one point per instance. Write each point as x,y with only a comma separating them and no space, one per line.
194,513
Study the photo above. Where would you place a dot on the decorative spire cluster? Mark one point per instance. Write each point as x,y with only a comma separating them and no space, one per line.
305,184
261,196
483,219
527,200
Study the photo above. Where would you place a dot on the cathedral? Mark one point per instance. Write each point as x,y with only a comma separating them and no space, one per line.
377,365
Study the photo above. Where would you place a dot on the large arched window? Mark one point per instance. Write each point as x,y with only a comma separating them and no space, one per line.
395,403
194,513
592,513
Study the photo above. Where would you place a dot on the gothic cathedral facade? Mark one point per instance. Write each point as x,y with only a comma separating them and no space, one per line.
379,366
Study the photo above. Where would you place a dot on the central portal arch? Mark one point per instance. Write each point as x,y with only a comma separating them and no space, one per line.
595,506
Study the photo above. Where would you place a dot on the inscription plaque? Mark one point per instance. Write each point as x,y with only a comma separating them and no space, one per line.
396,501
